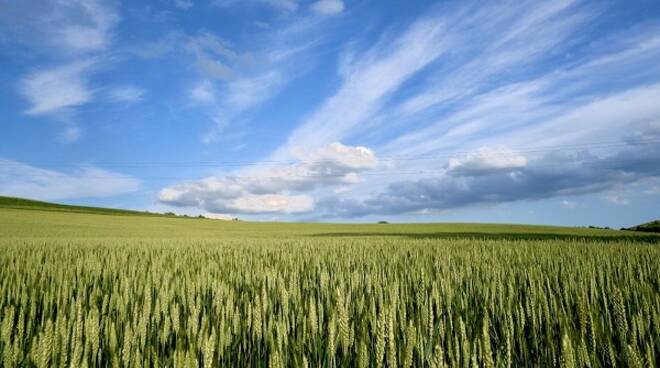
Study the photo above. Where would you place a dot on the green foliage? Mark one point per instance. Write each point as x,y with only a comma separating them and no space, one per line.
650,227
84,290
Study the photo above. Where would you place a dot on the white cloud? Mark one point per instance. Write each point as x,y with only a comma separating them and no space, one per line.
269,203
247,92
486,160
216,58
90,32
183,4
617,199
275,189
546,110
238,96
286,5
72,27
235,82
79,31
70,133
653,190
532,122
54,89
554,175
328,7
203,92
471,43
155,49
512,38
364,87
22,180
218,216
81,39
568,204
214,68
126,94
331,165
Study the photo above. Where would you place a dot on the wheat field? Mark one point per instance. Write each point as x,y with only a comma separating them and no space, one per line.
80,290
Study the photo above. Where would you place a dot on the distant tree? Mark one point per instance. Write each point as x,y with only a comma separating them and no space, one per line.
383,222
201,217
170,214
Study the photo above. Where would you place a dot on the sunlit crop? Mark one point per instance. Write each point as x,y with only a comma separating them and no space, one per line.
324,301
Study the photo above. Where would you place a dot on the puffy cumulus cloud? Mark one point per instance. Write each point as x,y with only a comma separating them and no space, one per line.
277,188
327,7
556,174
486,160
334,164
347,156
22,180
268,203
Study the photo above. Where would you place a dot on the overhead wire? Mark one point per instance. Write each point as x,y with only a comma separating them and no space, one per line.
437,155
388,171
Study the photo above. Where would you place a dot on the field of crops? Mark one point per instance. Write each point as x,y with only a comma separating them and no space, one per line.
129,291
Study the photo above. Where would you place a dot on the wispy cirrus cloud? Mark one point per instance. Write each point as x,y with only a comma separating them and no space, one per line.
505,83
445,38
241,80
52,90
285,5
203,93
327,7
73,36
67,27
184,4
556,101
126,93
364,88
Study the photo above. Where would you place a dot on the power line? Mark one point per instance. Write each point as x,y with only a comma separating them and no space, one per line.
381,172
438,155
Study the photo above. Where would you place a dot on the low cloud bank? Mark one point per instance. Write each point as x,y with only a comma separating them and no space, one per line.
277,189
492,177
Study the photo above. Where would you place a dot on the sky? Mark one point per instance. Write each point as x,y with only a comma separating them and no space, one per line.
541,112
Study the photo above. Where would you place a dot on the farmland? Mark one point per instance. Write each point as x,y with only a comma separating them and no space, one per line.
82,289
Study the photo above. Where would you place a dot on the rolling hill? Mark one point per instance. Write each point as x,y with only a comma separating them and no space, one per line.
649,227
30,204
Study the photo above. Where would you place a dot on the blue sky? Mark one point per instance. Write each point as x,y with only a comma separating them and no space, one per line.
500,111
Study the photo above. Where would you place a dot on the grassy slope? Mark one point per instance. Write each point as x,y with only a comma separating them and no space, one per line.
29,204
28,218
20,223
652,227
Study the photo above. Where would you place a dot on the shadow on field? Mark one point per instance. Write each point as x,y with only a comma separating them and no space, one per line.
649,239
